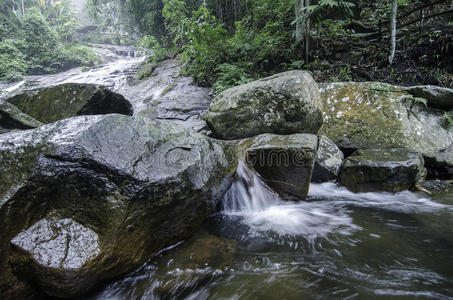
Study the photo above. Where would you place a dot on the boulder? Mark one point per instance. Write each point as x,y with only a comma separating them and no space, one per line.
12,118
389,170
440,165
437,97
376,115
59,250
135,185
285,103
328,161
63,101
284,162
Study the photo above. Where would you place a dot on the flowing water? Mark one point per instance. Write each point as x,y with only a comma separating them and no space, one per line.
336,245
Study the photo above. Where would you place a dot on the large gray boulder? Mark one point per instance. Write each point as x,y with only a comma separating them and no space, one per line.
328,161
284,162
390,170
12,118
134,185
437,97
67,100
376,115
285,103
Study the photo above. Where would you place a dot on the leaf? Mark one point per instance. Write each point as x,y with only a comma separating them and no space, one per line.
421,100
449,118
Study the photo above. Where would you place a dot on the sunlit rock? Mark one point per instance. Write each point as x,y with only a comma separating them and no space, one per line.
285,103
389,170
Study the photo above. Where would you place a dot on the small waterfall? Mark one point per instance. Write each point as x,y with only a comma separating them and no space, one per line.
264,211
248,193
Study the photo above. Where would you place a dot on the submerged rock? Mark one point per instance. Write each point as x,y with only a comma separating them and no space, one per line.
437,97
136,183
389,170
284,162
67,100
12,118
285,103
328,161
376,115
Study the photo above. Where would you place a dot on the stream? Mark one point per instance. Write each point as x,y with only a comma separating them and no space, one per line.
335,245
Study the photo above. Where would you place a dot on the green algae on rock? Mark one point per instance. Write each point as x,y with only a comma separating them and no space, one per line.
377,115
389,170
12,118
67,100
285,103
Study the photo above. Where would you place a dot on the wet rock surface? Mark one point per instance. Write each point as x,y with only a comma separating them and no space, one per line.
59,102
139,184
389,170
166,95
375,115
284,162
55,252
328,161
12,118
285,103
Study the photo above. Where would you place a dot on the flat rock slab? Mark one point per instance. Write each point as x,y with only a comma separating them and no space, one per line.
389,170
67,100
12,118
284,162
285,103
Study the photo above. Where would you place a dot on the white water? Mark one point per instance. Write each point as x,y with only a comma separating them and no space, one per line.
264,211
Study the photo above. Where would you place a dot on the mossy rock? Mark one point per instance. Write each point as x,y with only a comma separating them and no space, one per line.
285,162
389,170
376,115
12,118
285,103
67,100
137,183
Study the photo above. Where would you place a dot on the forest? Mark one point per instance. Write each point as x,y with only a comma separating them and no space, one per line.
225,43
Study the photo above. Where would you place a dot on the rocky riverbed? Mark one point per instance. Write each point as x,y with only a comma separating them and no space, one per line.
101,172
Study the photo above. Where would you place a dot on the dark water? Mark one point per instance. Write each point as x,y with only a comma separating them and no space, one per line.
339,245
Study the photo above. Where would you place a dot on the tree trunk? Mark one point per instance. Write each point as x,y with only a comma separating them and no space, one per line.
23,7
307,36
393,31
299,26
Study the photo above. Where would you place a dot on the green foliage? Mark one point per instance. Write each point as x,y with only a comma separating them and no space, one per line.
12,61
229,76
33,43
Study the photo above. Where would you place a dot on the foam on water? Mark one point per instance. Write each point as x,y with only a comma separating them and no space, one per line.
326,211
